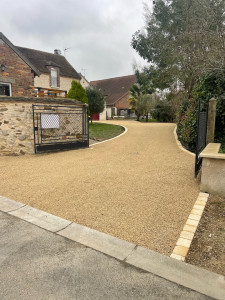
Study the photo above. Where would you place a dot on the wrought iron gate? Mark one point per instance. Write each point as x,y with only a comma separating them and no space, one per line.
58,127
201,134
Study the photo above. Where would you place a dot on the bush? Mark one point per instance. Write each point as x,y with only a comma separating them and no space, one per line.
187,125
162,112
95,100
211,85
77,92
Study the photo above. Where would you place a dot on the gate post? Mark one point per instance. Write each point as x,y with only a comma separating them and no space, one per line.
211,121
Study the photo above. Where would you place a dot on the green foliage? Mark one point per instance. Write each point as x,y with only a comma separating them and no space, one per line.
182,40
144,105
95,100
77,92
162,111
187,125
140,92
212,85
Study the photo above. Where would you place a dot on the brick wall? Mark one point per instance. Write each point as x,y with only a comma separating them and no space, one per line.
123,103
17,72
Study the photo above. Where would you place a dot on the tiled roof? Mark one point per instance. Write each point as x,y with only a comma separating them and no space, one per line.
114,88
24,58
41,60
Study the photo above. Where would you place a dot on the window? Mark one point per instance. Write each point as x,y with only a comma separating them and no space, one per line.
54,77
5,89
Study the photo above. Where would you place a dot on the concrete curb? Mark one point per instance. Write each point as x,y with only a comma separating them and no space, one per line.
200,280
179,143
116,137
184,242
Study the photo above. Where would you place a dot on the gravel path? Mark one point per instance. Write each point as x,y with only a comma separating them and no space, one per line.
139,187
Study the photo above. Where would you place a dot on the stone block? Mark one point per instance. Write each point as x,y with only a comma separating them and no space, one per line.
187,235
183,242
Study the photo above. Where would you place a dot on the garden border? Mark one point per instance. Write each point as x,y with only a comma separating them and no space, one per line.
179,143
115,137
184,242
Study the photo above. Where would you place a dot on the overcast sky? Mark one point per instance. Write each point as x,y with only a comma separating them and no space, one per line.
97,32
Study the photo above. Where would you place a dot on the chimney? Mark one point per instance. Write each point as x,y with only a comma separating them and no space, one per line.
57,51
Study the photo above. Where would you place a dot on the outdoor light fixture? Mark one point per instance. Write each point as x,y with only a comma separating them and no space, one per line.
2,67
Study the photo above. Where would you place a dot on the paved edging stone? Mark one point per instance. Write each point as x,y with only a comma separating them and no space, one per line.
179,143
184,242
100,241
195,278
33,215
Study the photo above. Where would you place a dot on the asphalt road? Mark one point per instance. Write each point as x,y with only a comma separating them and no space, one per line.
37,264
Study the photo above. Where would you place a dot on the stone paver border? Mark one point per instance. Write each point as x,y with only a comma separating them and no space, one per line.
184,242
197,279
179,143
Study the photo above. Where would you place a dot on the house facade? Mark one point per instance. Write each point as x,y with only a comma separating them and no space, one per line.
24,71
83,81
55,71
117,93
16,71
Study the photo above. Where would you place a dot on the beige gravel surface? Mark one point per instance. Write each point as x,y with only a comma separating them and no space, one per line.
139,187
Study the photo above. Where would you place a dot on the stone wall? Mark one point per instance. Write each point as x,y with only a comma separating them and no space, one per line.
17,72
16,128
16,123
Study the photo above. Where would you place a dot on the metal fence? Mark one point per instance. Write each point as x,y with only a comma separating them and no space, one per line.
201,134
58,127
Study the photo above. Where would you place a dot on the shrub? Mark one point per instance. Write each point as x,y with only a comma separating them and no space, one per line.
187,125
162,112
77,92
210,85
95,100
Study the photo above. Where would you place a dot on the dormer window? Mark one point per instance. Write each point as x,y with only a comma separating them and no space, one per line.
54,77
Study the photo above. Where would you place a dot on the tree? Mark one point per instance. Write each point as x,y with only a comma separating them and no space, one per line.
137,90
182,40
77,92
144,105
95,100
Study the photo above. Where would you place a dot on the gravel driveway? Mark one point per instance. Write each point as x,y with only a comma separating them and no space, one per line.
138,187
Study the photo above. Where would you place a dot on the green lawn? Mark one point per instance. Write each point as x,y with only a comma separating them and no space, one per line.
100,132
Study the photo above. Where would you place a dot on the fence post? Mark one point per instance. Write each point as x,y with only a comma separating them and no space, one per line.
211,121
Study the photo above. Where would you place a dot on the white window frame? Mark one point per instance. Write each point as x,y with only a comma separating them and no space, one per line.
10,87
54,69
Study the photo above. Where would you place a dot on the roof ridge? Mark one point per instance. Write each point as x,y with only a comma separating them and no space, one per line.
39,51
18,52
113,78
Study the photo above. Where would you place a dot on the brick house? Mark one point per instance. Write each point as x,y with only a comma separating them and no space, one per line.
26,69
117,92
16,71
